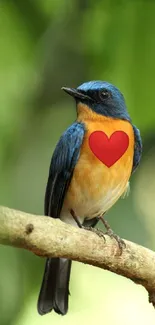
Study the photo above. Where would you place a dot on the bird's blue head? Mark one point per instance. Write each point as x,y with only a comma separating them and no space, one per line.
101,97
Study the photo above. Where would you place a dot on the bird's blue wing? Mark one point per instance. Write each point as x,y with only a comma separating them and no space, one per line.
137,148
62,165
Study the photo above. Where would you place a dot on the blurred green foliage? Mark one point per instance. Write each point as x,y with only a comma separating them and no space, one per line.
45,45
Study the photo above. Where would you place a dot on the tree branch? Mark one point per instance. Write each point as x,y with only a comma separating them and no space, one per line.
50,237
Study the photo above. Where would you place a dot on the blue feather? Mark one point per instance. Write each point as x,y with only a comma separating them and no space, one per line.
62,165
114,106
138,148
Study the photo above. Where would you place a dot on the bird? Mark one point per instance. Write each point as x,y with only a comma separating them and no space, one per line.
89,171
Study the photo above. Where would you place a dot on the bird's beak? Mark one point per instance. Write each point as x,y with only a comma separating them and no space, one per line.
76,93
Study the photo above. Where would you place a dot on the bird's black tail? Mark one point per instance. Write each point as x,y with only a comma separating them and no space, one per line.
55,286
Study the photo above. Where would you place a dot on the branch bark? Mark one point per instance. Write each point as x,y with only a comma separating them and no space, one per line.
50,237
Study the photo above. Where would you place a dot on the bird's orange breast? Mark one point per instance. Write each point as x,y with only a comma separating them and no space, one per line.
94,187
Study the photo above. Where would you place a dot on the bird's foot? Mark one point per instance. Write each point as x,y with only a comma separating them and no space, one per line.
111,234
100,233
96,231
119,240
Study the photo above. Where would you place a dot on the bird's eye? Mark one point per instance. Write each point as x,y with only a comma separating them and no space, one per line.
104,94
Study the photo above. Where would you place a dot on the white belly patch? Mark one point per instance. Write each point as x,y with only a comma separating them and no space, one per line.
104,203
89,209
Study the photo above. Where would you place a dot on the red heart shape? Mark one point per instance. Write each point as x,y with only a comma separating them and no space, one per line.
108,150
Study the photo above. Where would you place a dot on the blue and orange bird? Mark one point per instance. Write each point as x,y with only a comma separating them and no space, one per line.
86,176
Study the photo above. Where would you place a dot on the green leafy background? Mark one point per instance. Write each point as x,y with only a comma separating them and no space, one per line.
45,45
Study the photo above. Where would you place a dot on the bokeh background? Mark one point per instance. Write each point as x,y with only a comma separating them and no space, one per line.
45,45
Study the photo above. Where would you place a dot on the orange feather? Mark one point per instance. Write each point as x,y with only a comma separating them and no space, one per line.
94,187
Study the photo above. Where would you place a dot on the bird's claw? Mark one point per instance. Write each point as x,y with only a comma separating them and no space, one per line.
111,234
96,231
120,241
